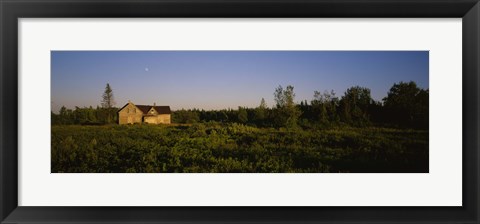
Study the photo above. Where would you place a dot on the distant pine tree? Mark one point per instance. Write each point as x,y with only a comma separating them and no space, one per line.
108,102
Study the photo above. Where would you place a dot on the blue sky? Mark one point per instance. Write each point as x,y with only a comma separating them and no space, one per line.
224,79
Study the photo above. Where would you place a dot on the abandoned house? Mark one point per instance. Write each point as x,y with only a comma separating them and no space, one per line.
137,114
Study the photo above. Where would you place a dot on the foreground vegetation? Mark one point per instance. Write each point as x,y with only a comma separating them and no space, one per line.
231,147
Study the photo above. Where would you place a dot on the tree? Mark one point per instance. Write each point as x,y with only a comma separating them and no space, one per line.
279,97
319,107
407,104
260,112
355,105
287,113
222,116
63,111
324,106
65,116
242,115
263,104
186,116
108,102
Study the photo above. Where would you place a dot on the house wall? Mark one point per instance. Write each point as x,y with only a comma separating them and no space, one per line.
159,119
152,112
130,115
164,119
150,120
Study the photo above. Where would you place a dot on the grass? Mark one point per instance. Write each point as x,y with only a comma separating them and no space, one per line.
226,148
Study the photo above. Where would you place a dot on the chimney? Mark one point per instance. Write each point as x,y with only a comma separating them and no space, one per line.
129,101
154,104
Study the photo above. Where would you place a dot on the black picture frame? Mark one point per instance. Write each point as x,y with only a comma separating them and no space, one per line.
12,10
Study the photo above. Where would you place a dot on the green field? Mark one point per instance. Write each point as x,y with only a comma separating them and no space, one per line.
226,148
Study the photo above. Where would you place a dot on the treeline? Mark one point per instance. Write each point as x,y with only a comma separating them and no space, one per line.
405,106
85,116
107,114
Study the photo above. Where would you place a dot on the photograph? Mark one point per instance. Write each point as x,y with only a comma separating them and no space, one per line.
235,111
264,112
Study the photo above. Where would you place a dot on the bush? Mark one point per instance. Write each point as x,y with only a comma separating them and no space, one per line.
231,147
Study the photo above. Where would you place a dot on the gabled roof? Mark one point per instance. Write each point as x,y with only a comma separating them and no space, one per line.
122,108
159,109
146,108
163,109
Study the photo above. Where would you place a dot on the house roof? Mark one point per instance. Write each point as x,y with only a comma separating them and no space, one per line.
146,108
159,109
163,109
